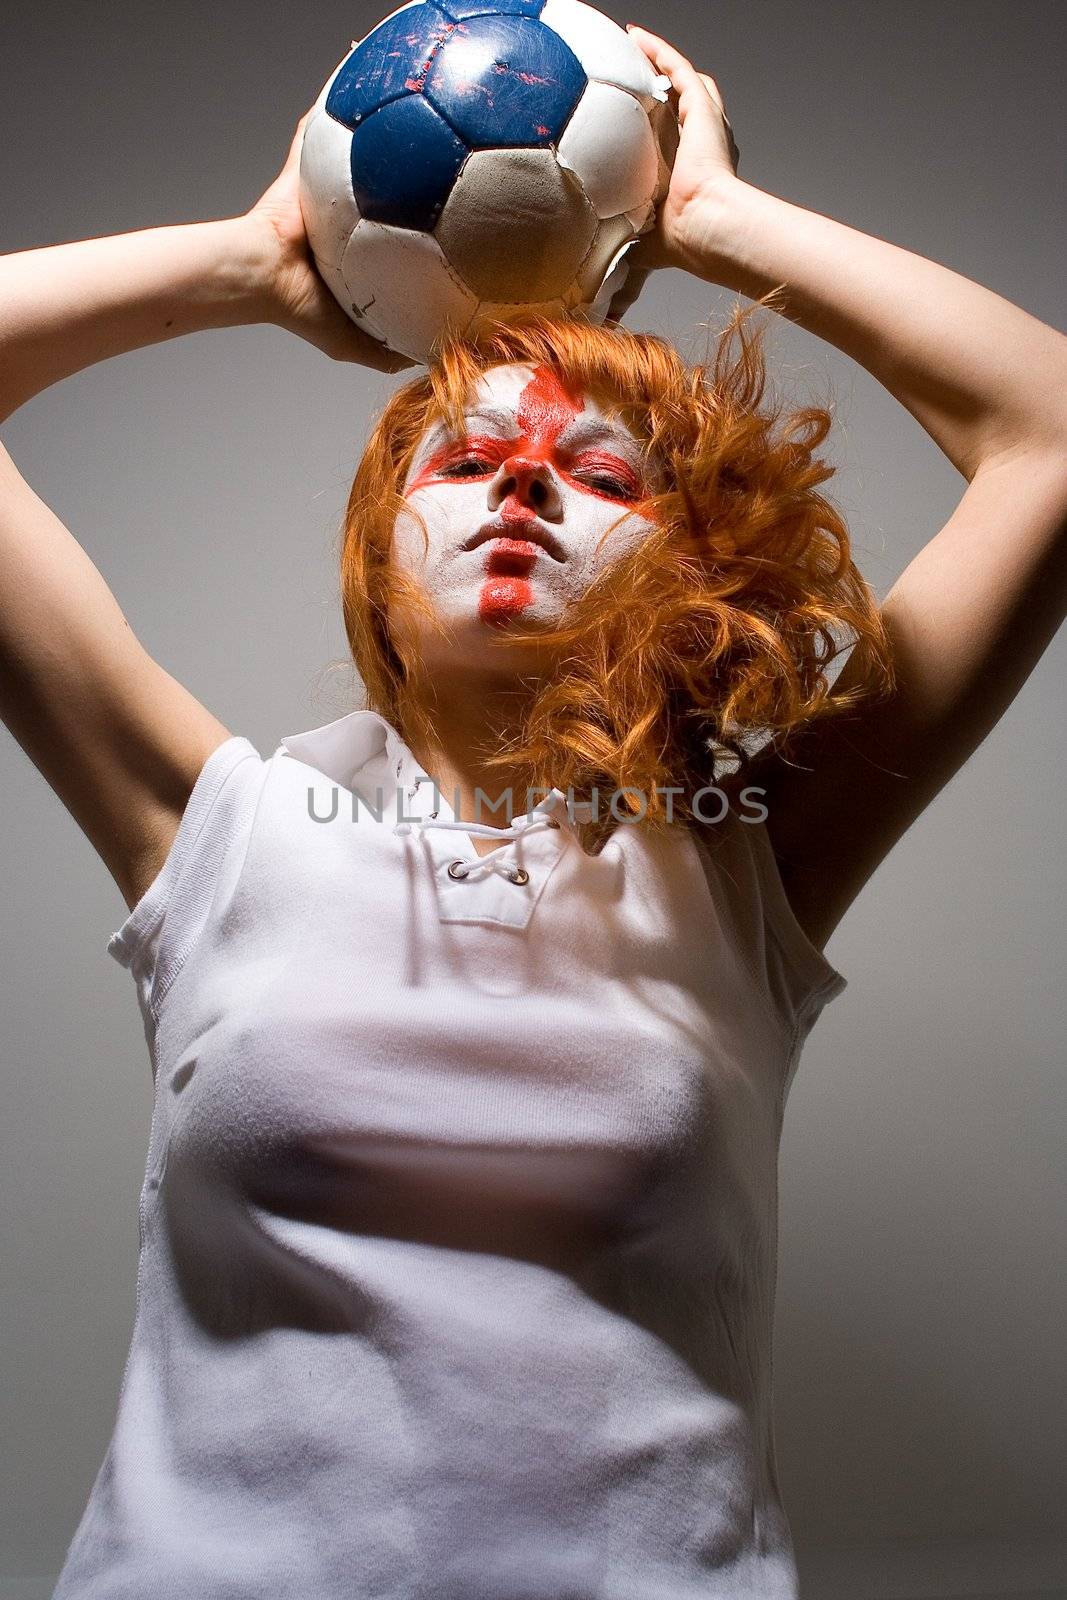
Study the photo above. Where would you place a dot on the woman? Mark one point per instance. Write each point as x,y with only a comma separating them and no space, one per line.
458,1220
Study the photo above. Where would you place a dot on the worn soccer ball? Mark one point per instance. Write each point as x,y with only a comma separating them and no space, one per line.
477,159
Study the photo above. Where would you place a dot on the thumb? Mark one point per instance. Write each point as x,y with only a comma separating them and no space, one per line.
644,258
324,323
625,297
348,343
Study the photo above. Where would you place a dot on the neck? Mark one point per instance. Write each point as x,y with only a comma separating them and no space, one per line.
467,723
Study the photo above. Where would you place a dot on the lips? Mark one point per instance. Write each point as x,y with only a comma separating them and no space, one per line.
511,558
515,535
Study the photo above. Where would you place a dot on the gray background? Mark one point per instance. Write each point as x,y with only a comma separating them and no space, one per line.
921,1407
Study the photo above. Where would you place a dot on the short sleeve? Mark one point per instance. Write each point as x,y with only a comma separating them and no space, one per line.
814,977
794,975
160,929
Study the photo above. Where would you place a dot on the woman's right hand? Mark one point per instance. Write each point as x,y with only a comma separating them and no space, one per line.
703,177
296,295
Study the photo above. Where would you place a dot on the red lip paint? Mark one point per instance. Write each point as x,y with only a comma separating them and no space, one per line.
503,553
507,590
502,598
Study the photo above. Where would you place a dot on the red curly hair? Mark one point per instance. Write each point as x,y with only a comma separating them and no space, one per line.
719,626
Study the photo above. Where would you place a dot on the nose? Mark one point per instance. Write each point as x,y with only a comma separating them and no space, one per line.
533,484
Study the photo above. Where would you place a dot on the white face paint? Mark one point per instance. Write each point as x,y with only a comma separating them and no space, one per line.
517,509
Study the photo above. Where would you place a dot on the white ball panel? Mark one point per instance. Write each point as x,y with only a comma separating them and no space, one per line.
605,50
609,145
339,288
617,274
404,289
326,198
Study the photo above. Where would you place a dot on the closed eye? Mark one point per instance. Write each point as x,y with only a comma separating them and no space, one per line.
604,483
605,472
466,467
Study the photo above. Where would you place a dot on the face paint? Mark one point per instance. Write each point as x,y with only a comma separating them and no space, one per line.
516,509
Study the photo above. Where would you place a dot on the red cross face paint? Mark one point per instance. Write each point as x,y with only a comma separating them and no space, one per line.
525,508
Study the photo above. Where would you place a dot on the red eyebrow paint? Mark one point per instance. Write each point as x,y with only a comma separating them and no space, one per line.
545,409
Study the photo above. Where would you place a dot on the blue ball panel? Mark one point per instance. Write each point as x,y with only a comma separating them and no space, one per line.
391,61
404,162
460,9
505,81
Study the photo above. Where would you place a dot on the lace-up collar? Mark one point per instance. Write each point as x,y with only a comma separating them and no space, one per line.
363,743
546,814
364,753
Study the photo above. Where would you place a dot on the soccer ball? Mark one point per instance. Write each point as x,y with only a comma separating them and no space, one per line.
477,159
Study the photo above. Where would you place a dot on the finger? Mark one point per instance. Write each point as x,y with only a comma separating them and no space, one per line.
643,258
296,142
647,255
335,333
716,94
370,352
621,302
735,153
298,137
695,101
713,89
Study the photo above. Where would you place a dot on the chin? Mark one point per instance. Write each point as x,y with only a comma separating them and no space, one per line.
476,643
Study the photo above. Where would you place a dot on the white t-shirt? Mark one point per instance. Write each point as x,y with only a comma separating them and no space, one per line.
458,1224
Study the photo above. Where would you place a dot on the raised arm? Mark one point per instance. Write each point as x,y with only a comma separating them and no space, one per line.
971,615
119,740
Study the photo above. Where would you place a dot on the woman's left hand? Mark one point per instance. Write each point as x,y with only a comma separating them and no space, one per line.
704,169
293,290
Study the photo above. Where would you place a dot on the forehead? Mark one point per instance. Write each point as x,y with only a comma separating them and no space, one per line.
533,394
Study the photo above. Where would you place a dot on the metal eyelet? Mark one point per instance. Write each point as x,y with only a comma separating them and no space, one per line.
457,869
520,875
